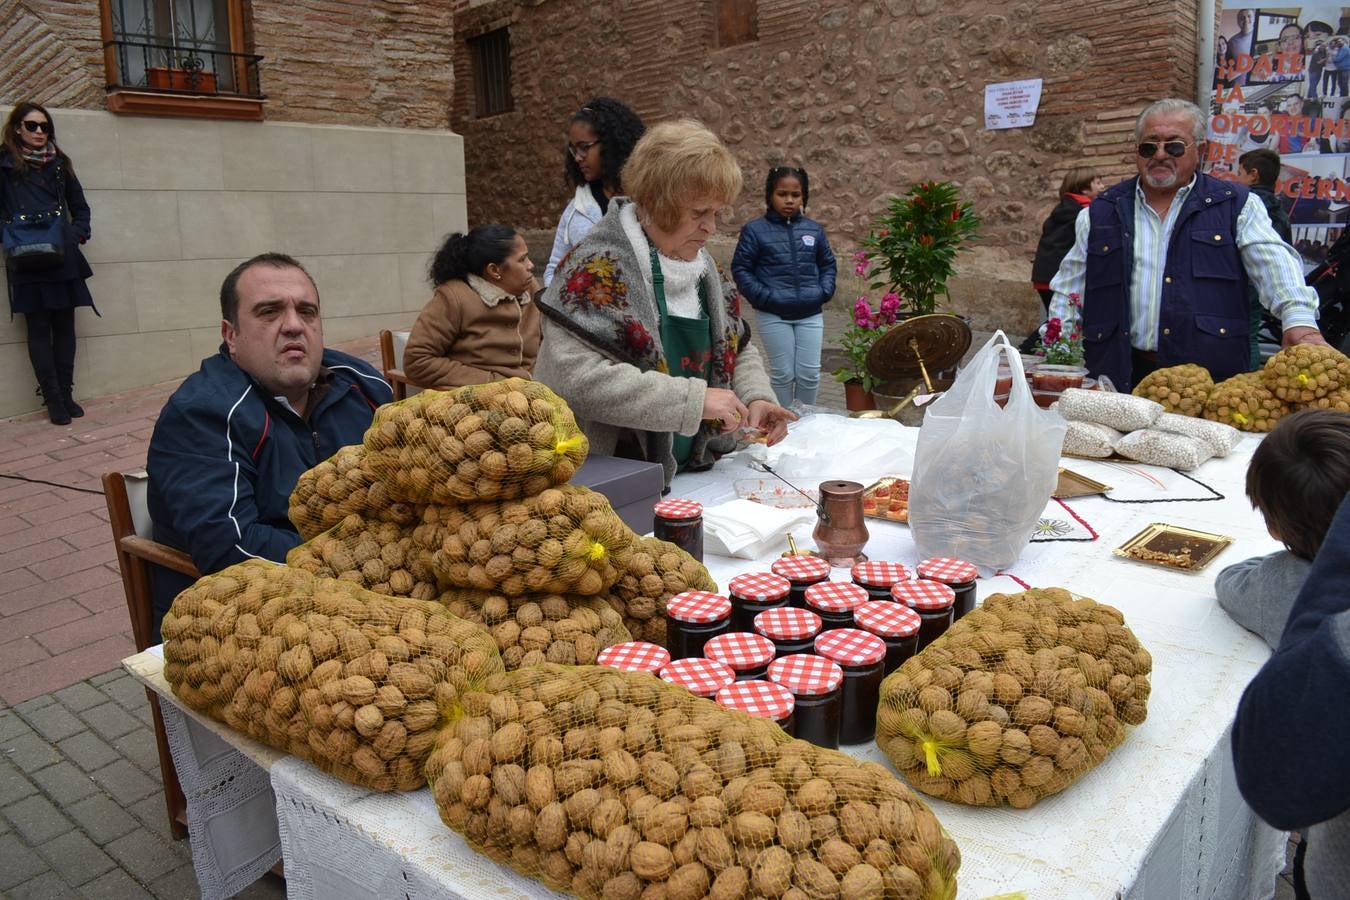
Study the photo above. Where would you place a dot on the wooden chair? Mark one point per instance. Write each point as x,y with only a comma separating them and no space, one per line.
129,518
391,359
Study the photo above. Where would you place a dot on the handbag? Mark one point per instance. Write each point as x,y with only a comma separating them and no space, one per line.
35,241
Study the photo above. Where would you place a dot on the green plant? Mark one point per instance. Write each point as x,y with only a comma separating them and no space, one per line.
914,243
1059,348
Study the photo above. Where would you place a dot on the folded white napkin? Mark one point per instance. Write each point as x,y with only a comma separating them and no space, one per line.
745,529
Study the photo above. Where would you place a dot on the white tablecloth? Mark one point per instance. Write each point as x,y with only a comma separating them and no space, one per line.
1161,818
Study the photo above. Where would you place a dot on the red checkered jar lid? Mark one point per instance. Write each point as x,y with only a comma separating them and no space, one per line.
703,677
740,650
758,698
698,607
635,656
788,624
887,619
924,595
678,509
835,596
851,646
948,570
801,568
806,674
759,587
878,573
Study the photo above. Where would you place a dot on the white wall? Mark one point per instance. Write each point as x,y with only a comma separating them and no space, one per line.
177,203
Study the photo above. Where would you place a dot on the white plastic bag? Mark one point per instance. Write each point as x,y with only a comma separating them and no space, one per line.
983,475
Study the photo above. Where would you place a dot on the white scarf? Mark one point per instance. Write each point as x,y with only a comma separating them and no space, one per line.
681,277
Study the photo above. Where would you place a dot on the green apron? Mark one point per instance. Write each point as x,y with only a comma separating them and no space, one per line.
687,344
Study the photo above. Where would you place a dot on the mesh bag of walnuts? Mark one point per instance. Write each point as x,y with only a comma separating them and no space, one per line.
1305,372
1017,700
379,556
565,540
1180,389
495,441
340,486
1337,400
655,571
321,669
614,784
535,629
1244,402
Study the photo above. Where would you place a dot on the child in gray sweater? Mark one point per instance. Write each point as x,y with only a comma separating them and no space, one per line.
1297,479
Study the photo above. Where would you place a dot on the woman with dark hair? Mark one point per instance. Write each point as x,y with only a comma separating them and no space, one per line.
599,138
480,324
37,177
1080,185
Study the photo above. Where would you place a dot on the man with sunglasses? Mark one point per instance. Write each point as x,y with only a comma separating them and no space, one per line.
1162,263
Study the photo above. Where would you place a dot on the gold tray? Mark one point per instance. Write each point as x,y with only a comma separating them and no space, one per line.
884,515
1071,484
1170,541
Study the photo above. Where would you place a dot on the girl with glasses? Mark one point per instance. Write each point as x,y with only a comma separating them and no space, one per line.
599,138
37,177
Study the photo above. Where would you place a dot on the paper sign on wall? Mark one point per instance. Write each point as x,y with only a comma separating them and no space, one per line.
1011,104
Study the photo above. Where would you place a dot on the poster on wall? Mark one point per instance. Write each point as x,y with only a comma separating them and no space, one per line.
1282,82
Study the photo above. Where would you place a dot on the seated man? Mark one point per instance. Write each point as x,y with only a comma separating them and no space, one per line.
1162,263
234,438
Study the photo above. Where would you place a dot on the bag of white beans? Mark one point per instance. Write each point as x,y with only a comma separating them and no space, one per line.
1221,437
1091,440
1123,412
1164,448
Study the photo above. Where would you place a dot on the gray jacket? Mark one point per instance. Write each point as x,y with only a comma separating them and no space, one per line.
1259,592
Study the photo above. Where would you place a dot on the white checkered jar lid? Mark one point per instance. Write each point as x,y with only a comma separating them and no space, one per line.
878,573
835,596
698,607
740,650
758,698
702,677
788,623
924,595
674,508
759,587
887,619
806,674
801,568
851,647
635,656
948,570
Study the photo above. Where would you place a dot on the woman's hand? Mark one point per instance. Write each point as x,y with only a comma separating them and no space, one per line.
771,419
724,408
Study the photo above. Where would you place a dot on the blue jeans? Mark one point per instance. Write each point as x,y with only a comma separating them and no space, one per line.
793,348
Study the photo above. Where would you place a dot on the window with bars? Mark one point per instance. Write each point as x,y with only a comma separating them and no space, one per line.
174,44
490,54
737,22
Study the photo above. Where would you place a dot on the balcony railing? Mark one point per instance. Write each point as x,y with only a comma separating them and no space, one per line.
167,69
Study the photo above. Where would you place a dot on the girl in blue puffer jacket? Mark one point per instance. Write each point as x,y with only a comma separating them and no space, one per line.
784,266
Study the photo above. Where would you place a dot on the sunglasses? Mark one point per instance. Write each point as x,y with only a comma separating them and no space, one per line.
34,127
1174,149
579,151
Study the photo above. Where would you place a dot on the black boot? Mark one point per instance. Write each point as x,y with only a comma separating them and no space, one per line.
50,392
75,409
63,349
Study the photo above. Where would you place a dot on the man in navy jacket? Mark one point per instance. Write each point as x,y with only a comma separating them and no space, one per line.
235,437
1292,730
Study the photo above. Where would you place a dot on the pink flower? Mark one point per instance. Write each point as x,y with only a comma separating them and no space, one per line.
1076,300
862,313
860,263
1053,328
890,303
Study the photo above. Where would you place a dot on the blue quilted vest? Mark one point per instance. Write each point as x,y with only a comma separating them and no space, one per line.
1204,308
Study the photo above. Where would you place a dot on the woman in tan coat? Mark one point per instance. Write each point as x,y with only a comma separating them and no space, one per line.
480,324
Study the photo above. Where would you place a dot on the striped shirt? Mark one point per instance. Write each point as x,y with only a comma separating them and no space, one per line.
1272,266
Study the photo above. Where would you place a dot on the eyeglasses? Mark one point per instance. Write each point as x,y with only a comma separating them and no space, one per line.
579,151
33,127
1174,149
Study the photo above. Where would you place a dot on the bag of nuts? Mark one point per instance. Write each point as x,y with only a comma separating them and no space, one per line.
656,570
1016,700
494,441
340,486
535,629
353,682
378,556
565,540
613,784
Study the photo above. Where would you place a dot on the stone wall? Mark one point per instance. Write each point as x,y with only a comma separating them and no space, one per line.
870,96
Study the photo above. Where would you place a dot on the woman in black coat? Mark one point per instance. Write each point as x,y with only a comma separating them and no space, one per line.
35,177
1076,191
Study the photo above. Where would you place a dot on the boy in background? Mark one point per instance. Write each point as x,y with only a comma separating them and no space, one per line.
1259,170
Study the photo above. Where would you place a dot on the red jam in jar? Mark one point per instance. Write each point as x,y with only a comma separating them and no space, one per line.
896,624
700,677
834,602
762,699
877,576
792,630
933,601
681,523
801,572
754,592
958,575
862,656
691,618
815,684
747,654
634,656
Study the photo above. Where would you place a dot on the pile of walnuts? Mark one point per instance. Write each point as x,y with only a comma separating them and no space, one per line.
1180,389
342,486
378,556
612,784
655,571
1017,700
354,682
1244,402
532,630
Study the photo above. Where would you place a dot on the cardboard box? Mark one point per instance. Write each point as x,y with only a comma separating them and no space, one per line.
632,487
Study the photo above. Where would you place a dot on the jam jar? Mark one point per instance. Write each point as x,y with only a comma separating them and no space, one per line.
877,576
747,654
681,523
834,602
896,624
801,572
691,618
762,699
958,575
815,685
700,677
792,630
634,656
754,592
932,600
862,656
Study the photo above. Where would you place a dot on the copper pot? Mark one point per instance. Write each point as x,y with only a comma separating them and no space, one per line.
841,531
